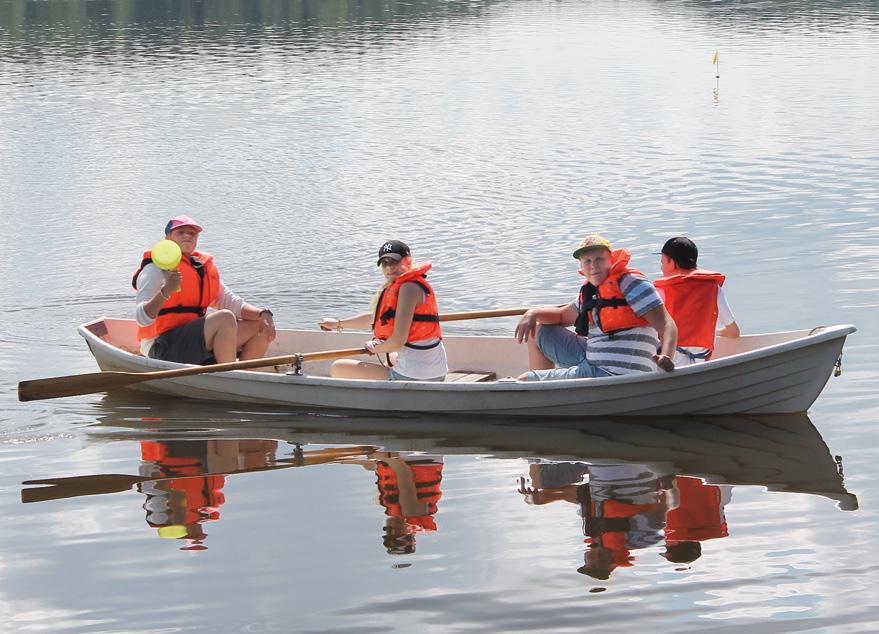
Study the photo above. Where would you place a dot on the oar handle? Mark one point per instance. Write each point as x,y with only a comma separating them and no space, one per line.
257,363
482,314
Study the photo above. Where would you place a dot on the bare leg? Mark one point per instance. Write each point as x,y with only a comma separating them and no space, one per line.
252,342
220,335
352,369
536,358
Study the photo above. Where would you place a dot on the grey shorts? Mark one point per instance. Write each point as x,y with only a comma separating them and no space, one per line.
184,344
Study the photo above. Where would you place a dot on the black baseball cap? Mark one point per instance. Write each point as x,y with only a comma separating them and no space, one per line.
393,249
682,251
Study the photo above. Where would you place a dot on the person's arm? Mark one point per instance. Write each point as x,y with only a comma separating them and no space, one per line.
533,495
363,321
665,327
410,505
266,318
644,300
730,330
154,287
411,294
725,317
228,300
547,316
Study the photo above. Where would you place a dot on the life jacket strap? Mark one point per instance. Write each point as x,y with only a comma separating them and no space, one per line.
390,314
600,302
595,526
143,263
197,310
589,300
429,346
695,356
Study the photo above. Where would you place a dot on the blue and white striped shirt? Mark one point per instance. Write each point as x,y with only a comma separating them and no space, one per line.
632,350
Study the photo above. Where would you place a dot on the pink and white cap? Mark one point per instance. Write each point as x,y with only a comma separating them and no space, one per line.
181,221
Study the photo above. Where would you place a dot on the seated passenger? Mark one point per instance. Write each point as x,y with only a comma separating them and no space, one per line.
405,321
695,300
619,318
172,308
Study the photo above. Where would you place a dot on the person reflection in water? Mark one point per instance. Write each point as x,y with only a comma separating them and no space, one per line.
185,490
697,516
409,490
628,507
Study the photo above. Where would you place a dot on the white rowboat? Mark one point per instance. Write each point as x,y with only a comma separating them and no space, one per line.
774,373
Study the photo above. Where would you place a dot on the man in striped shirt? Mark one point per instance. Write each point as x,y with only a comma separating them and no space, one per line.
622,324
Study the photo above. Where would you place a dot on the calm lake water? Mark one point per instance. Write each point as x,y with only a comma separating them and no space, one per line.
490,136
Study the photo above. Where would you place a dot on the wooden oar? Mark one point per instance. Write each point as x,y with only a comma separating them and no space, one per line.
76,384
78,486
483,314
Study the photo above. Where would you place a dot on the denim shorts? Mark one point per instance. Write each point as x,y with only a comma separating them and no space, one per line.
567,350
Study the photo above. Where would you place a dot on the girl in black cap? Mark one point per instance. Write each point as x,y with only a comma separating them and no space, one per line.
405,321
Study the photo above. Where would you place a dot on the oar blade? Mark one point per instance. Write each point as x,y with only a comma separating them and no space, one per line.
75,385
77,486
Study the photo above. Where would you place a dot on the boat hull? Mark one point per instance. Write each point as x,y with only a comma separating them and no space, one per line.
779,378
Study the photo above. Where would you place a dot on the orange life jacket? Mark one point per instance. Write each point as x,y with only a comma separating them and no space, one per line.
691,300
199,288
202,494
425,321
614,313
427,479
699,514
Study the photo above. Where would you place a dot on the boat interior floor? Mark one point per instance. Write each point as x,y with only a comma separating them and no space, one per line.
470,376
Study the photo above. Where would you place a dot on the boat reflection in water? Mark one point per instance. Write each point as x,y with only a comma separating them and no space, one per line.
636,483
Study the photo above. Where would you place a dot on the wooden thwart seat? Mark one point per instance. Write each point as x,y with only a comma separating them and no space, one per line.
467,376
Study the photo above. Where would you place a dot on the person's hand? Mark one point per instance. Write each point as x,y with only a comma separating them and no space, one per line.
371,345
664,362
267,324
531,496
328,323
526,327
172,282
524,489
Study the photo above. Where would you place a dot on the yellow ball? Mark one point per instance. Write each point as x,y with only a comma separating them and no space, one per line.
166,254
175,531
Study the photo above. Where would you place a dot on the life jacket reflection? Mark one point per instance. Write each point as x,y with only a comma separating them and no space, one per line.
699,514
691,300
182,495
614,313
425,321
199,288
426,477
608,526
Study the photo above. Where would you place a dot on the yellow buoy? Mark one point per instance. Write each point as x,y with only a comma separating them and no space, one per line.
166,254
